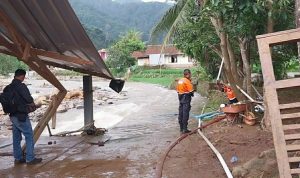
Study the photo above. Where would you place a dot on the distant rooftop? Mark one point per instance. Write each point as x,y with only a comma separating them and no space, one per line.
156,49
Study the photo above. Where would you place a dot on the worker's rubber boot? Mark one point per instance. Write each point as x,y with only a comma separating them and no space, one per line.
186,131
181,128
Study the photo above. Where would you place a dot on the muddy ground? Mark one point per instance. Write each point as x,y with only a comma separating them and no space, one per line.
139,135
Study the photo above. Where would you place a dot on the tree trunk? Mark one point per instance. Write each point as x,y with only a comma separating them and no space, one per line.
297,21
231,76
246,65
270,23
233,63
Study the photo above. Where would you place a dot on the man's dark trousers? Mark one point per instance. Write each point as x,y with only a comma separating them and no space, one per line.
184,111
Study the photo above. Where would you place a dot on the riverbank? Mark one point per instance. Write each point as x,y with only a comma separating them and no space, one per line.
140,128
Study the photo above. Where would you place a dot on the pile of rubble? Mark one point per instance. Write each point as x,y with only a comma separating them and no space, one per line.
73,100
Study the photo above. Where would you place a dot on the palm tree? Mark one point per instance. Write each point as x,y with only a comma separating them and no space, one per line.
169,23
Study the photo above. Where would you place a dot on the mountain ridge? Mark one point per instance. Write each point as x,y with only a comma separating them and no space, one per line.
115,18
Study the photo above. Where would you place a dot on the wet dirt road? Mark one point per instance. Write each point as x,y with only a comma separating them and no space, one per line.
147,127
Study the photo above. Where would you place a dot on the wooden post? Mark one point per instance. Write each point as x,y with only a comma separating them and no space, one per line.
53,124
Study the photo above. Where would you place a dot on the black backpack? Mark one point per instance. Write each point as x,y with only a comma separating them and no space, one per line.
8,100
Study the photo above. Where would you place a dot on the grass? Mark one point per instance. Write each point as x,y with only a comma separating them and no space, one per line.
163,81
163,77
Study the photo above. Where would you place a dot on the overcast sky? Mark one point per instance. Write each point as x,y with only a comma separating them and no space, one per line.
155,0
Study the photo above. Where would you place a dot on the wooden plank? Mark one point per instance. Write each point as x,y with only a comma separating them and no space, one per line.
290,116
54,55
293,147
297,30
13,48
294,159
26,53
295,171
273,108
53,123
281,37
291,127
292,137
294,82
290,105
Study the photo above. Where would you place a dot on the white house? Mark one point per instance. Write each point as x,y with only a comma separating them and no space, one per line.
169,57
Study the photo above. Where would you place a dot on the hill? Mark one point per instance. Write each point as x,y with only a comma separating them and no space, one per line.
113,18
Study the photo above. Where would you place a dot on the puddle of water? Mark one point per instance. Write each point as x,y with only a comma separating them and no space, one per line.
105,117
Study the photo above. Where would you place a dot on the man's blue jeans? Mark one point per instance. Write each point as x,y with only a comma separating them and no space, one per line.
25,128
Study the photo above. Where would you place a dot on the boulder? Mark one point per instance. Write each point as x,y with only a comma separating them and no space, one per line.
263,166
79,107
74,94
62,109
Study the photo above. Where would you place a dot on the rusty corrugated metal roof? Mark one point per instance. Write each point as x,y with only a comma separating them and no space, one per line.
52,26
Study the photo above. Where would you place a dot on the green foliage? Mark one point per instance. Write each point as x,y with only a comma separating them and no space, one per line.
97,36
197,36
284,60
163,81
115,18
169,22
165,77
10,64
120,58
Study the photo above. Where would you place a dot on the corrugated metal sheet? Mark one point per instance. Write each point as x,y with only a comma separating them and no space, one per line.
52,25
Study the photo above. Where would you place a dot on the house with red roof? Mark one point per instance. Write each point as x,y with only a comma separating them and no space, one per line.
170,57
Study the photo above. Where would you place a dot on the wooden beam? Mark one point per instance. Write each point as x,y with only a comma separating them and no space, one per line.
7,52
290,105
294,159
26,53
273,108
280,37
54,55
16,37
290,116
293,147
294,82
295,171
291,127
292,137
10,46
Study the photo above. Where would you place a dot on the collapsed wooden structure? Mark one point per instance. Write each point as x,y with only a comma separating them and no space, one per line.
282,135
47,32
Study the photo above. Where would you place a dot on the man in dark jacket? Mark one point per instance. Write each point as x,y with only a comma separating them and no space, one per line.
20,120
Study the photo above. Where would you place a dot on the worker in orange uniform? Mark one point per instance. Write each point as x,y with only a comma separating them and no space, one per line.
230,94
185,92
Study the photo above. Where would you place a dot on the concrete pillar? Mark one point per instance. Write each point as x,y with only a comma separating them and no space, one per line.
88,99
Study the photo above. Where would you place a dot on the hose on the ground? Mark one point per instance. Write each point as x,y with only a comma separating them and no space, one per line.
217,153
160,164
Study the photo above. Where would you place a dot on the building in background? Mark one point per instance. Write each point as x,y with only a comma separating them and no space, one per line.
170,57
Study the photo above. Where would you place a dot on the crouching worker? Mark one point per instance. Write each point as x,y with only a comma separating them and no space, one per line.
20,105
230,94
185,92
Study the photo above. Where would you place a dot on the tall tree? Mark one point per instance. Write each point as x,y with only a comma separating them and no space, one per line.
235,24
119,55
